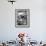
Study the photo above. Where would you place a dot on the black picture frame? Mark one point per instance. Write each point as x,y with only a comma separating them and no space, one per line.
22,18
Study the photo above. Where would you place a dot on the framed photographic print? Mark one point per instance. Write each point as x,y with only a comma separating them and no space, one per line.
22,18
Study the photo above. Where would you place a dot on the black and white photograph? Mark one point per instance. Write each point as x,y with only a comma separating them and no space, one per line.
22,17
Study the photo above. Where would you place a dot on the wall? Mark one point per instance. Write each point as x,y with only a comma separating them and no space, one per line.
37,30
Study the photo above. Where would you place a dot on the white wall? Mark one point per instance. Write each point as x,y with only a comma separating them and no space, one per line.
37,28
